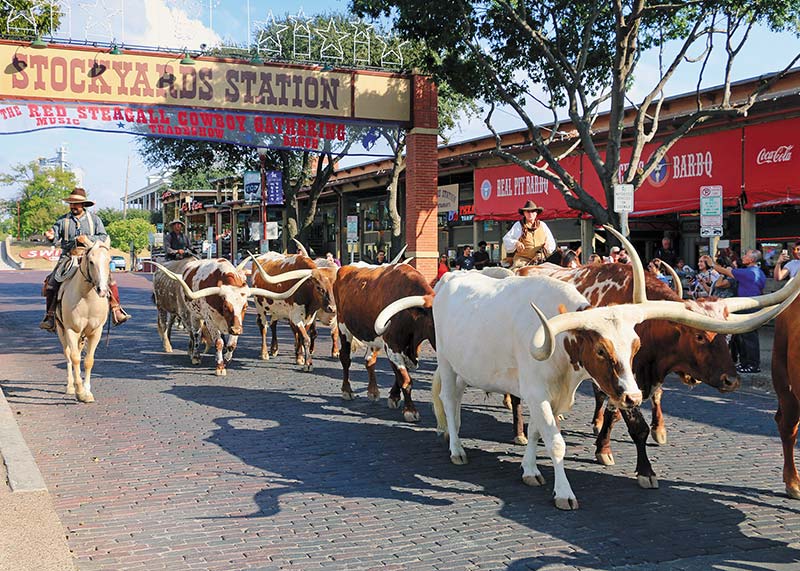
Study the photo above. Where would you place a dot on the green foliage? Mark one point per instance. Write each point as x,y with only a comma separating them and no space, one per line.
109,215
134,231
40,194
47,18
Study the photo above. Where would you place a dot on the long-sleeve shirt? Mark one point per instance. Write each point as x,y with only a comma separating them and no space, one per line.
175,241
68,227
512,237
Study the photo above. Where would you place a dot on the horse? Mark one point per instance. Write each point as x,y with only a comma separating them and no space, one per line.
81,313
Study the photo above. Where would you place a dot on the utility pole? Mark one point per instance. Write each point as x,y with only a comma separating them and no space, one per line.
125,202
262,155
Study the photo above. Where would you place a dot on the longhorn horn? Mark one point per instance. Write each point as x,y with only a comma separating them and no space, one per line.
639,288
190,293
301,249
280,278
542,346
399,255
240,266
382,321
274,295
677,286
735,304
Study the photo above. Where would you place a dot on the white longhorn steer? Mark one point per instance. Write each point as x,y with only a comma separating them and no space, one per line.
488,337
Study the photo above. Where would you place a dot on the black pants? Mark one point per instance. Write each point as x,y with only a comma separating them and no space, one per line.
748,347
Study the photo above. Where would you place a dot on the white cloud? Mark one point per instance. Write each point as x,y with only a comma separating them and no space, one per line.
168,24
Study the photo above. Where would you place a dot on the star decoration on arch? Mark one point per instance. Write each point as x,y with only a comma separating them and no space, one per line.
301,35
392,51
20,21
269,36
100,17
52,9
331,42
363,33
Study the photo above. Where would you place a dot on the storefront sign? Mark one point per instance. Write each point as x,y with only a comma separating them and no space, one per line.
71,73
51,254
501,191
352,229
252,187
772,163
448,198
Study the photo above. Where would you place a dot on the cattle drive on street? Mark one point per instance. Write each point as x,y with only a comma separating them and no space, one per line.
217,295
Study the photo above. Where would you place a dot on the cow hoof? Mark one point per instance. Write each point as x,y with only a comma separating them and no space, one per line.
605,459
348,396
566,503
85,397
648,482
443,435
335,354
533,480
596,429
793,492
273,353
221,372
308,368
195,361
265,356
393,403
459,460
507,401
70,390
411,415
167,349
521,439
659,436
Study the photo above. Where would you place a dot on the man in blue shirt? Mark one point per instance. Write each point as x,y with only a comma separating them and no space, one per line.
751,282
465,261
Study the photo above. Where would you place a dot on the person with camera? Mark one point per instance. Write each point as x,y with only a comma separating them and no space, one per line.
704,280
787,267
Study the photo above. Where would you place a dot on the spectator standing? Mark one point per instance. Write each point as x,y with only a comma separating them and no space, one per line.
751,282
787,267
330,258
613,255
665,251
380,258
442,269
465,261
595,259
704,280
481,257
724,286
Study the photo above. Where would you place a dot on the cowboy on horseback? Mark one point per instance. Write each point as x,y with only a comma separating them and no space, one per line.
529,240
76,228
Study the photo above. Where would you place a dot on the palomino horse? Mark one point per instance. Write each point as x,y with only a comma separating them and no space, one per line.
81,314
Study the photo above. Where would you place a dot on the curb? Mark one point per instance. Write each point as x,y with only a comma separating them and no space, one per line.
21,469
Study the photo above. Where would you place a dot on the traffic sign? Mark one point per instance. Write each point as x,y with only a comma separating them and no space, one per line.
352,229
710,211
623,198
710,231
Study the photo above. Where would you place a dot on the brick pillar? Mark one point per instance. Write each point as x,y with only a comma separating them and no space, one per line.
422,177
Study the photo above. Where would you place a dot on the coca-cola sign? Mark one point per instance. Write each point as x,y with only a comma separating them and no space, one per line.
782,154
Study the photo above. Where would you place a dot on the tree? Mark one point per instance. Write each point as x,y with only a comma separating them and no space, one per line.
40,196
579,58
130,234
109,215
38,18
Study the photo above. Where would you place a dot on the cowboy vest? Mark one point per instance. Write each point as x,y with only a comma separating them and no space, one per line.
533,242
69,228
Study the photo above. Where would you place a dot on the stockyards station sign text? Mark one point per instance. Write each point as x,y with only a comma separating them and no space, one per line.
147,94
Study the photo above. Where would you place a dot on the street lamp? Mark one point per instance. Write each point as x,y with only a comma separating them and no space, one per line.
262,156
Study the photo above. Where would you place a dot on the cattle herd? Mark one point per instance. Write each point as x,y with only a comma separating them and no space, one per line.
534,335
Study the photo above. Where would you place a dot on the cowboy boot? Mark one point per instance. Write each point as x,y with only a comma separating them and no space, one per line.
118,315
49,320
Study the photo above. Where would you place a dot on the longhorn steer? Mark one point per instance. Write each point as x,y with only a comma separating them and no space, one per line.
300,309
365,293
170,302
786,380
216,296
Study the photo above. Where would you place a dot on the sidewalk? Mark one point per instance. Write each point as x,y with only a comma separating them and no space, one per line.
31,535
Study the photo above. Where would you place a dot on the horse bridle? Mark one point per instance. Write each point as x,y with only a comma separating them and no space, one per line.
83,272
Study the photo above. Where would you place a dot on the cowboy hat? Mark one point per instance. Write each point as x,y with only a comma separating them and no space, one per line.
530,206
78,196
176,221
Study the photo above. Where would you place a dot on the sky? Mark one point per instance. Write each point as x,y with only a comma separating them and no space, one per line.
103,158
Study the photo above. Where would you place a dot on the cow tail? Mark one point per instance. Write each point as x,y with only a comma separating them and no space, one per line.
438,407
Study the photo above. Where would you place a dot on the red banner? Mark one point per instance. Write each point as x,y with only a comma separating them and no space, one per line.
772,163
501,191
692,162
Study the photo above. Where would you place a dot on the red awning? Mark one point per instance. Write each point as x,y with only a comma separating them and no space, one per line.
501,191
772,164
692,162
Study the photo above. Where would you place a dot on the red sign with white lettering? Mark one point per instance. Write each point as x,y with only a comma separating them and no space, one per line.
692,162
772,163
51,254
501,191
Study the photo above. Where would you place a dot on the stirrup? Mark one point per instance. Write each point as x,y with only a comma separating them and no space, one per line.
48,323
122,317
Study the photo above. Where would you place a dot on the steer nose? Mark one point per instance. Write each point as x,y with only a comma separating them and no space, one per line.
630,400
729,384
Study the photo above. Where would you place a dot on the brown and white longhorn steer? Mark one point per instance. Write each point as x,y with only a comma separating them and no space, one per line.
300,309
786,380
362,292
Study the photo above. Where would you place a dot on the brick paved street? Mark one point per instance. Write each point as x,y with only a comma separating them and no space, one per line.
267,468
